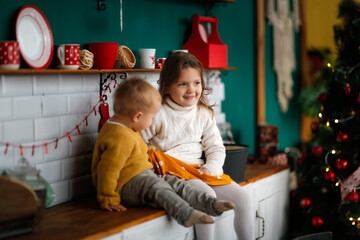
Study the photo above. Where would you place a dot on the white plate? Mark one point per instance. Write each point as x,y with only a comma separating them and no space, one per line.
35,38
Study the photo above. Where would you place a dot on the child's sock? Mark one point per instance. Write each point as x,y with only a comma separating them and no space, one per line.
222,206
198,217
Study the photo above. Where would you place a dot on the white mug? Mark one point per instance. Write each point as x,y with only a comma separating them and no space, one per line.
147,58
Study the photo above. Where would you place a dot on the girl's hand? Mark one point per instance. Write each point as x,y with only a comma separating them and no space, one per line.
116,208
204,170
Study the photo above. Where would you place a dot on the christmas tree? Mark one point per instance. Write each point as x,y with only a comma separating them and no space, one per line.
328,173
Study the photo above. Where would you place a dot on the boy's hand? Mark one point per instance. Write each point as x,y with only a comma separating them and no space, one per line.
116,208
204,170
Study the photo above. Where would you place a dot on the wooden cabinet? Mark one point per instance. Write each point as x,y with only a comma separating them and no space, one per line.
271,203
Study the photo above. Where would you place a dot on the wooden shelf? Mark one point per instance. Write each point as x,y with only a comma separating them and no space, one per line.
79,71
65,71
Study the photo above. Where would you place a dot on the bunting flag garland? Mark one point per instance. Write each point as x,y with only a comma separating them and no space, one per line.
76,129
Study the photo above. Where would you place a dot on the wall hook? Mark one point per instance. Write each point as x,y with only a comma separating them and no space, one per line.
101,5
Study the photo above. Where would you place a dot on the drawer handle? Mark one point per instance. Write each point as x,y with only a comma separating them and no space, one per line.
263,225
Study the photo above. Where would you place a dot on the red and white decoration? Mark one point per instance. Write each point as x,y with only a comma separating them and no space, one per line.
9,55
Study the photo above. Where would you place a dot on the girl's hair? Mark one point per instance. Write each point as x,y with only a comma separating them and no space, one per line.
170,73
133,95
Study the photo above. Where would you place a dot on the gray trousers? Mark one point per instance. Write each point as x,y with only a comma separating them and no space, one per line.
175,195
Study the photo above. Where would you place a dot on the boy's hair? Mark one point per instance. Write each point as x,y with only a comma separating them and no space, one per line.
170,73
133,95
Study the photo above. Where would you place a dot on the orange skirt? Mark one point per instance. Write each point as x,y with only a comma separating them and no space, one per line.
167,165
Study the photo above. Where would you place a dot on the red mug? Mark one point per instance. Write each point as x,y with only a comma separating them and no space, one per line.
160,62
68,56
105,54
9,55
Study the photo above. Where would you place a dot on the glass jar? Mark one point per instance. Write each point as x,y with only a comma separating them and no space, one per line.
31,176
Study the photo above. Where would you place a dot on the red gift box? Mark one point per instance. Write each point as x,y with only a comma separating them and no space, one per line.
209,50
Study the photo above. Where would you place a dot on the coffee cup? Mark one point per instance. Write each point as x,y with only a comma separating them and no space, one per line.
68,56
160,62
147,58
9,55
105,54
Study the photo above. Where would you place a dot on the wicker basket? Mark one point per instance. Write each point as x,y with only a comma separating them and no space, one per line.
125,58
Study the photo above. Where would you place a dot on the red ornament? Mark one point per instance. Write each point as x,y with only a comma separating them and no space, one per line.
317,221
341,164
315,125
352,197
329,176
300,162
358,98
347,89
322,97
341,137
317,150
300,181
305,202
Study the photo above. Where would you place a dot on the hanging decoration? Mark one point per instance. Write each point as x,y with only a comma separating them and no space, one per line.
104,111
283,44
121,16
350,183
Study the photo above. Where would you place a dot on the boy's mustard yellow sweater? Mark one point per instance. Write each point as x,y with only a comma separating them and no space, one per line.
119,154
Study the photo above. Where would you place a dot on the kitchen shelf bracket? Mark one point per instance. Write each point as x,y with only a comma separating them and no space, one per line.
106,78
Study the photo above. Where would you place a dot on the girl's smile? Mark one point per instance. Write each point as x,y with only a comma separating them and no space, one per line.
187,90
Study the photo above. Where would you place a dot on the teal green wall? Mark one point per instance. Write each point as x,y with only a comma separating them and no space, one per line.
165,25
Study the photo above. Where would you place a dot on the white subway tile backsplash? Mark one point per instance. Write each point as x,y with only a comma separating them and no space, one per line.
51,171
62,192
71,83
18,131
33,156
47,128
91,82
6,106
79,103
81,144
69,122
1,84
220,118
6,160
61,150
27,107
93,123
43,107
46,84
81,186
17,85
54,105
76,166
94,98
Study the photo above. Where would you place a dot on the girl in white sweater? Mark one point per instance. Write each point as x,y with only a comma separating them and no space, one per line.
185,127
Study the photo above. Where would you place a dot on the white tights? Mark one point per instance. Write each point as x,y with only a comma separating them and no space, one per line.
243,217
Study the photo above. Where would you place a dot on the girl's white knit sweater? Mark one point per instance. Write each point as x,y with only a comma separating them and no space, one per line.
184,132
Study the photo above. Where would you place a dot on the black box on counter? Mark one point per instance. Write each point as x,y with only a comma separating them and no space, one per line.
235,161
